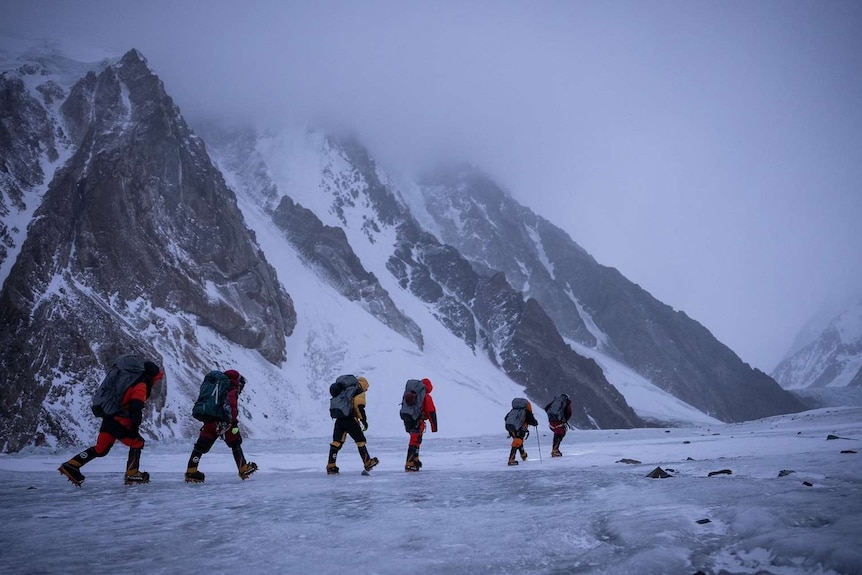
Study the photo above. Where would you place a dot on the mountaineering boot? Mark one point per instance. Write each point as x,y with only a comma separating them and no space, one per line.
368,462
72,474
523,454
133,475
331,467
72,468
244,468
247,469
192,473
512,454
412,463
555,449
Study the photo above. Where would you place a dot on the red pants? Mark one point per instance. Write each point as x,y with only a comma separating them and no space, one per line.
115,429
416,434
210,432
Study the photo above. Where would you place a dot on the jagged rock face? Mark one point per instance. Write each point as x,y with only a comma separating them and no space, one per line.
26,136
495,233
489,314
137,226
595,305
833,359
327,249
535,355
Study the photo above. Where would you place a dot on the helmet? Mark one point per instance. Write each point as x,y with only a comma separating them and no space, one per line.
152,372
363,383
235,378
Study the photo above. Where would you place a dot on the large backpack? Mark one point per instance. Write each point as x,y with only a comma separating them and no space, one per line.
517,415
345,388
557,409
123,373
212,403
411,403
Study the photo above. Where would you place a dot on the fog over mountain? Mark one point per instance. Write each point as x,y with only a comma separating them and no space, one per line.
709,152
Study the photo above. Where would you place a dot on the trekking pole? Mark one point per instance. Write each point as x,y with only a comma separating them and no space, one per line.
539,444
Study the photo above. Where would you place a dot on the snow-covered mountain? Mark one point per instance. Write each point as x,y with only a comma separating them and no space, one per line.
831,359
293,257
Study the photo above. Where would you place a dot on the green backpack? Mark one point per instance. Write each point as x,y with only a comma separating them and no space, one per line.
212,404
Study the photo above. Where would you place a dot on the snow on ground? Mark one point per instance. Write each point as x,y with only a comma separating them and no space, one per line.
465,512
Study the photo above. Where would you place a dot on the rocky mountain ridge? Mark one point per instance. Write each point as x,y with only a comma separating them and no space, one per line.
122,230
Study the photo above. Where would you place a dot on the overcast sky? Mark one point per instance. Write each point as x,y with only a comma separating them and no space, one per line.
710,151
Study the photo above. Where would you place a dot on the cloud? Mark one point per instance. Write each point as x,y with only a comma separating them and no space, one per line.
710,151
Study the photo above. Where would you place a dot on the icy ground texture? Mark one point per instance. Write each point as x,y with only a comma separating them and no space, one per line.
466,512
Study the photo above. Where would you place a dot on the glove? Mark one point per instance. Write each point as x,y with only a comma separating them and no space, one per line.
364,425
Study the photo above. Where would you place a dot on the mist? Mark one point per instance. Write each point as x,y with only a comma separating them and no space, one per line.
709,151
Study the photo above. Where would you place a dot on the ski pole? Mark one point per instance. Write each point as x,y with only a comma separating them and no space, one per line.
539,444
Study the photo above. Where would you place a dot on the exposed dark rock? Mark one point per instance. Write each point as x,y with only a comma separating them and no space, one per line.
658,473
327,250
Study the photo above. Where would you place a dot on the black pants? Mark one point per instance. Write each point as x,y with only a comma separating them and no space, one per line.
345,426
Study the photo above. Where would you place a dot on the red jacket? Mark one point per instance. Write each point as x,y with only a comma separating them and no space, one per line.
133,403
429,411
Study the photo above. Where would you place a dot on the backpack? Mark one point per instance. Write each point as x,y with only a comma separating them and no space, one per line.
212,404
557,408
411,403
517,415
124,372
345,388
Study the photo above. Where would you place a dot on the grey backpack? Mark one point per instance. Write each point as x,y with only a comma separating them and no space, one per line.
345,388
517,415
411,403
125,371
557,409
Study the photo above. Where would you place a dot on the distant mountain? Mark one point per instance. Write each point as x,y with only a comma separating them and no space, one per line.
294,257
592,305
831,359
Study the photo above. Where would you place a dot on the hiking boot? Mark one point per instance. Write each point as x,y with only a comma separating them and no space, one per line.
135,477
370,463
72,474
412,466
513,461
247,469
331,469
523,455
556,453
194,476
